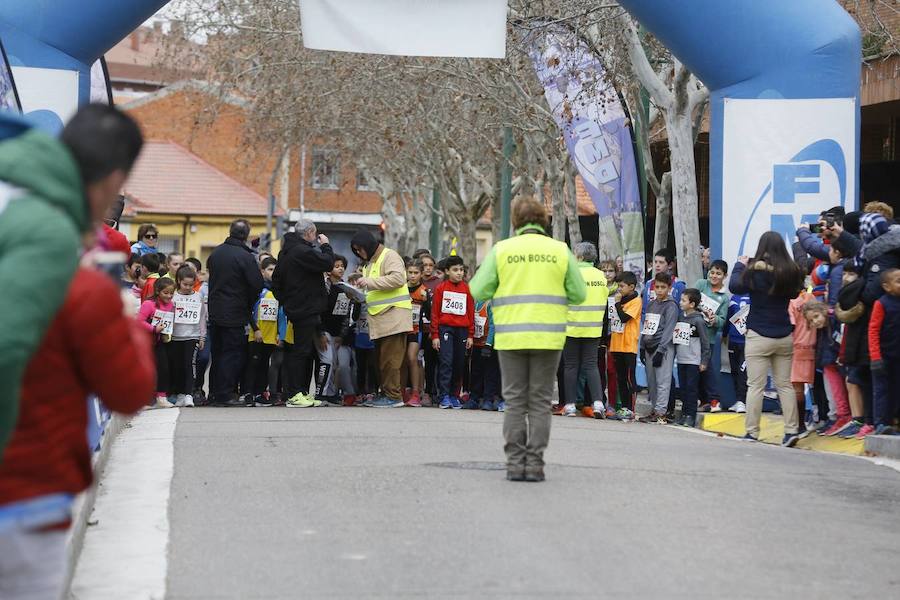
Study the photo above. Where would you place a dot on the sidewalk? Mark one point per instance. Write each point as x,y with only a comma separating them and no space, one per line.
771,431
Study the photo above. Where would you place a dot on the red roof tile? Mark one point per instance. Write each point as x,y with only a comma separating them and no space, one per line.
169,179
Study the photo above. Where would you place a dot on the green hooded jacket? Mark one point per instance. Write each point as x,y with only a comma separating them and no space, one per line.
43,213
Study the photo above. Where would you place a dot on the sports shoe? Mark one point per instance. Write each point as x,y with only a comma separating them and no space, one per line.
803,434
247,399
349,400
387,402
824,426
790,440
455,403
414,400
534,474
588,411
515,474
188,401
179,400
331,400
301,400
749,438
714,406
704,407
651,418
488,405
662,419
277,398
599,410
864,431
501,406
262,400
611,415
569,410
368,399
851,429
885,430
837,426
445,402
738,407
688,421
557,409
471,404
426,400
161,402
625,414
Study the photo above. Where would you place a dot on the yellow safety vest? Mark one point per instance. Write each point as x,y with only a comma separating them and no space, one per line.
379,301
586,319
530,303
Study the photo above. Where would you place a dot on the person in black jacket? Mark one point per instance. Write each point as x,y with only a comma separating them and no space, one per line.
235,282
299,286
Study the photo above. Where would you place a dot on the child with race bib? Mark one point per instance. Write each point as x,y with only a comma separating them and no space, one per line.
658,349
485,379
188,335
263,340
692,349
452,330
157,314
624,316
421,298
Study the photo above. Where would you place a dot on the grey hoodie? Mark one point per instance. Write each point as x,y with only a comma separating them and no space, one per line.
696,352
667,312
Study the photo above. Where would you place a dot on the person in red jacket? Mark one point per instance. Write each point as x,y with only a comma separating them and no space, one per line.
92,347
452,329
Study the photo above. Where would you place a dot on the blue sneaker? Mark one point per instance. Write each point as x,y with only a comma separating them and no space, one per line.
885,430
487,405
445,402
501,406
821,429
790,440
471,404
851,430
454,403
749,438
386,402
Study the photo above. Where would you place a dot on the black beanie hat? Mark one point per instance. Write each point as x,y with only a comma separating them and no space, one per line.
851,222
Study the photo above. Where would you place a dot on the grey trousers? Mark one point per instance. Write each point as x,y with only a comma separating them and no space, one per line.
528,377
659,381
580,355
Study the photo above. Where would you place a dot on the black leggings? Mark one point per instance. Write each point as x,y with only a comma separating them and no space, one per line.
625,364
182,355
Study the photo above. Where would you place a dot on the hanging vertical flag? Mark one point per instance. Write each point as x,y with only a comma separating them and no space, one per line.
9,100
474,28
589,113
101,91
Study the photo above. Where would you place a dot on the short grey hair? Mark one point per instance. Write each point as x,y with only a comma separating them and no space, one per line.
586,251
303,226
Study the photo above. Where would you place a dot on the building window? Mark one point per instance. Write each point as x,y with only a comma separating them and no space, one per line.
362,183
326,169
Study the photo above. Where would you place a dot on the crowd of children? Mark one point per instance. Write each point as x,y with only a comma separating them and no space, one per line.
677,333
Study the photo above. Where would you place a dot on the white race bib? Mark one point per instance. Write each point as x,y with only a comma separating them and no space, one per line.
651,324
164,318
187,309
341,305
651,293
417,313
682,334
480,322
739,319
362,326
268,309
453,303
708,305
838,335
615,323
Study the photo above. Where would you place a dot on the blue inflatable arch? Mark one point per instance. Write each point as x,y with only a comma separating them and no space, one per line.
783,75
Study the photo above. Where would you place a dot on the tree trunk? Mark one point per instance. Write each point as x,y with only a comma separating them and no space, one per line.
679,127
572,207
663,212
558,206
466,240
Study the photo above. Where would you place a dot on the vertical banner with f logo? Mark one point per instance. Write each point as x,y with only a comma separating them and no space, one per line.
597,134
783,163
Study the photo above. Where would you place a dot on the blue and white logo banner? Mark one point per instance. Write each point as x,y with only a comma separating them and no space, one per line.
784,162
597,134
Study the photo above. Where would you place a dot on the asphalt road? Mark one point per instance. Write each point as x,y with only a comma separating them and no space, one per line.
412,503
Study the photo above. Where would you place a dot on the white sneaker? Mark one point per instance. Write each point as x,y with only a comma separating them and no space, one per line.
179,400
599,408
569,410
715,408
162,402
738,407
188,400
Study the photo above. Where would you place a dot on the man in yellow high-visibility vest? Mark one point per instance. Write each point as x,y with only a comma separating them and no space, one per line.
532,279
583,333
390,312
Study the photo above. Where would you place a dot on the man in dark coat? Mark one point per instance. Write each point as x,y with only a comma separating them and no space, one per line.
235,282
299,286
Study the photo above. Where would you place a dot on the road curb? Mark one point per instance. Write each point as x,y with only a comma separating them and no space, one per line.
883,445
771,431
84,504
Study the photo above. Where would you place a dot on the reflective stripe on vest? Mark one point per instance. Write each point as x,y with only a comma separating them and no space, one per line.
585,320
379,301
530,303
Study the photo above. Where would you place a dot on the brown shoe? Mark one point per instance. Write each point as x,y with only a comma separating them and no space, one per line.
515,473
534,474
651,418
